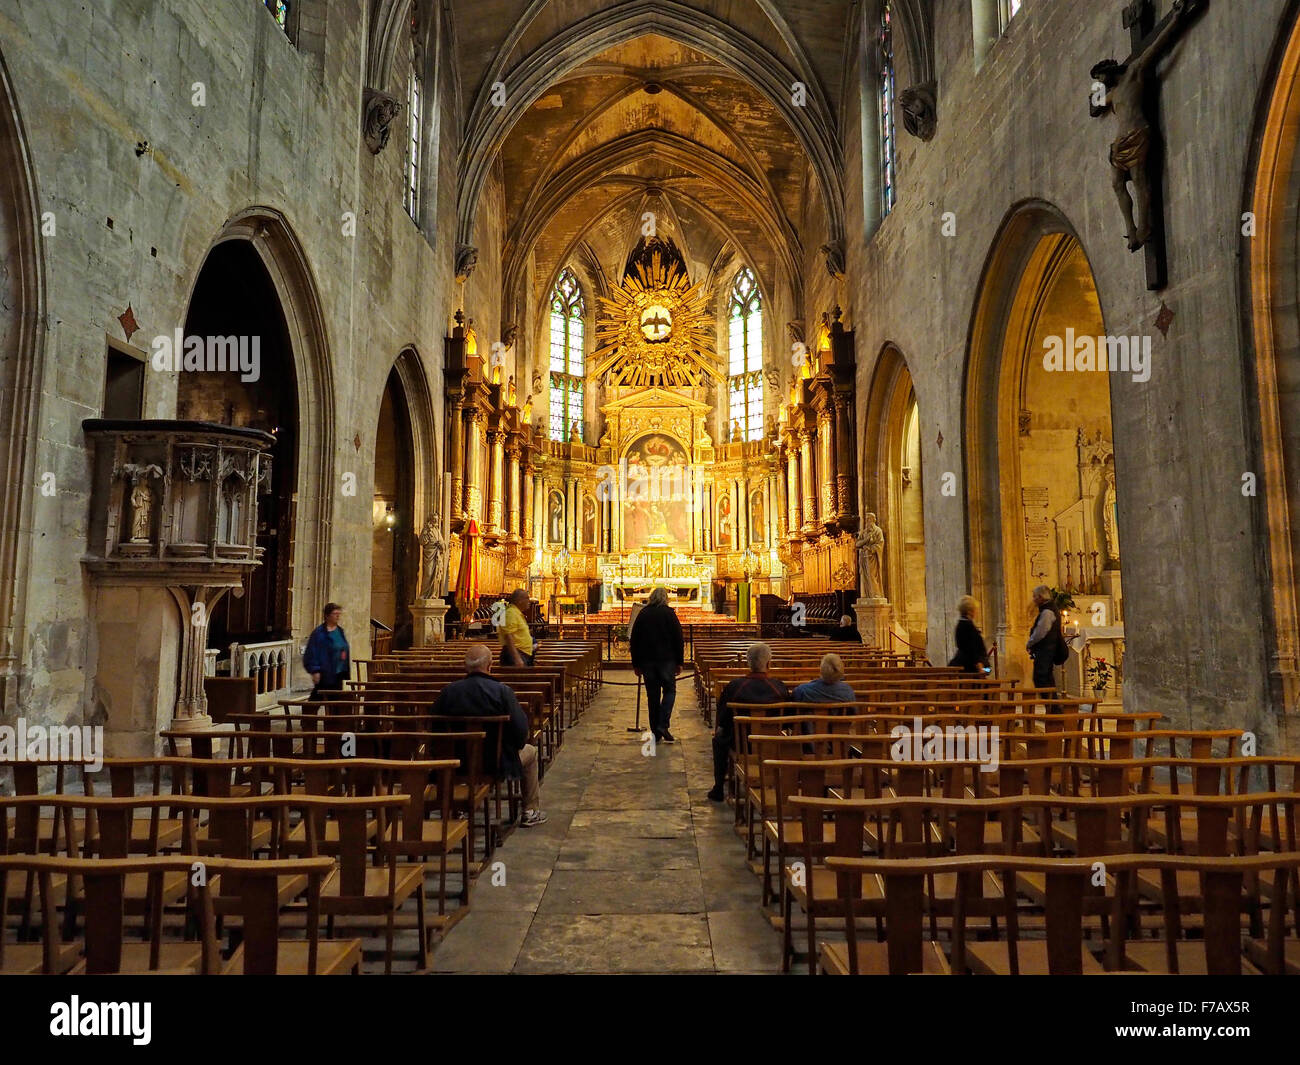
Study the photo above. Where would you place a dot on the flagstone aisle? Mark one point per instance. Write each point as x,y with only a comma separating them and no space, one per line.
635,872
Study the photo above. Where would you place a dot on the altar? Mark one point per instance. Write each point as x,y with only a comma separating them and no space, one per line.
631,577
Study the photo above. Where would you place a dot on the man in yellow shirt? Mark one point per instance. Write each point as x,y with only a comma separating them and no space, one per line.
516,640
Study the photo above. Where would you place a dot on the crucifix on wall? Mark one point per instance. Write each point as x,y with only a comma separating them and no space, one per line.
1132,94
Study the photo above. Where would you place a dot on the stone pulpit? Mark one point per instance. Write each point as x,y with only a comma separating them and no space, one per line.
173,527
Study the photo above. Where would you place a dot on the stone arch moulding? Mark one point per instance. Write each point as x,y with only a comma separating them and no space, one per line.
1270,269
281,252
891,396
814,125
20,379
1026,252
424,436
598,166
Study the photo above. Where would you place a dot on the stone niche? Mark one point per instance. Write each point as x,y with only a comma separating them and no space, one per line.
173,527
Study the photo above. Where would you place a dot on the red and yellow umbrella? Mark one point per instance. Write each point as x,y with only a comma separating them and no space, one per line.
467,580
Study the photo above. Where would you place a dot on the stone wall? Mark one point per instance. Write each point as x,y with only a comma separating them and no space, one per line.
106,95
1017,130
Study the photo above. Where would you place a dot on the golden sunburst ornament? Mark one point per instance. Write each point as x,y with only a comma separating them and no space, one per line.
656,329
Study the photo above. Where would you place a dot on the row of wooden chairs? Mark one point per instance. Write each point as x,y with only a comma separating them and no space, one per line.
371,817
820,785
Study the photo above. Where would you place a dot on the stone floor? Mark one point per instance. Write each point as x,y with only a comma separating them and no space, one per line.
635,872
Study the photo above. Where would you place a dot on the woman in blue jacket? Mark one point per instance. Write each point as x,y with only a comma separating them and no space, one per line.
328,658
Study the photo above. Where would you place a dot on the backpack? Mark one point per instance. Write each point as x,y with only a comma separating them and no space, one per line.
1062,654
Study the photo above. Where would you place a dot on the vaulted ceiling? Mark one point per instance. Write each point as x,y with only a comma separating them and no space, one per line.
604,111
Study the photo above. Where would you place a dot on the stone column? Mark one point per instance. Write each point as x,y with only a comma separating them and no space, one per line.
844,464
513,510
474,467
457,462
495,479
826,468
806,468
529,470
196,603
792,489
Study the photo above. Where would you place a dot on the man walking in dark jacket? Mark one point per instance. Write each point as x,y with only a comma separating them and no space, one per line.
658,654
482,695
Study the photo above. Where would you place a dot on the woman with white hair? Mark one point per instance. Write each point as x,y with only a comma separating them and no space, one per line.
658,653
972,655
830,687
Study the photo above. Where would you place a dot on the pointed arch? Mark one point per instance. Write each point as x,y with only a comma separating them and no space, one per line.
276,243
22,312
1037,273
488,125
892,486
1270,270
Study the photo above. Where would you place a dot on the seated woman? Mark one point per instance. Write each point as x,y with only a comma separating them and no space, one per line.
972,655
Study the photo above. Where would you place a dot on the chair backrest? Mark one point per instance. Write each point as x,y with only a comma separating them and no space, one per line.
1068,882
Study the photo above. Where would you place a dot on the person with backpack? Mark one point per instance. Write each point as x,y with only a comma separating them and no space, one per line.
1046,644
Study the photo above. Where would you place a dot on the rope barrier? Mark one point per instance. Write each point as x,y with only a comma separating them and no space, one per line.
637,683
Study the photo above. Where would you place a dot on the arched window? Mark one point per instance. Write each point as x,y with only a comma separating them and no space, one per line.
745,355
567,357
415,130
888,145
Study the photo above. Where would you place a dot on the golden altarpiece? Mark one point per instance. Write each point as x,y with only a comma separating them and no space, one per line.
656,500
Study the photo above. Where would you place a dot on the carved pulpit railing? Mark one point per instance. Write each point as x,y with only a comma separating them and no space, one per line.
174,506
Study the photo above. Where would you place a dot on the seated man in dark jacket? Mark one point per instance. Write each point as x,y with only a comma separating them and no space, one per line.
848,632
757,687
482,695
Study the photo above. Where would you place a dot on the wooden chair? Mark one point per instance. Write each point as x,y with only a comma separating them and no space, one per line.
1062,952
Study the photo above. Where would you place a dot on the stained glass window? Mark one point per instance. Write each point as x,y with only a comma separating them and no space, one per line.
567,356
745,358
888,145
415,126
280,10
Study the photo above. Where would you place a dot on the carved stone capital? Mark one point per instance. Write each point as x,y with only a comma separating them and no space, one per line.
920,110
379,110
834,252
466,260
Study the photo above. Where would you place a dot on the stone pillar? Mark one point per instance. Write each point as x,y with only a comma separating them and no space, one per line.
809,485
457,461
791,490
743,533
527,529
196,604
495,479
474,467
826,468
844,464
512,508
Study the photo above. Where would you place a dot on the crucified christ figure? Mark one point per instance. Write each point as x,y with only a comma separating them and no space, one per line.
1126,88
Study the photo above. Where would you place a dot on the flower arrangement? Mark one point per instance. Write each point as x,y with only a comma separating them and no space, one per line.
1099,675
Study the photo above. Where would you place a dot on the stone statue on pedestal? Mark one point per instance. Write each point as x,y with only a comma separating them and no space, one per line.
434,551
871,553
